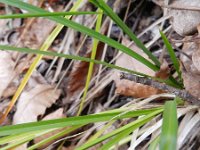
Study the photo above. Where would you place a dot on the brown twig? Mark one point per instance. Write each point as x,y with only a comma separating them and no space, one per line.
146,81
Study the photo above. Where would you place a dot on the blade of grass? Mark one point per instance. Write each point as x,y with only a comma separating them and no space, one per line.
171,54
119,137
14,138
90,70
45,14
49,53
136,123
71,121
168,137
23,139
54,137
101,4
44,47
100,132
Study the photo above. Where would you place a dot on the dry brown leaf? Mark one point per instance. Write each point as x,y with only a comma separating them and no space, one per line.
130,88
164,71
34,102
190,67
78,75
185,21
55,115
7,72
37,33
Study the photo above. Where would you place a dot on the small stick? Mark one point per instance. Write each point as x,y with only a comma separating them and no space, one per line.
146,81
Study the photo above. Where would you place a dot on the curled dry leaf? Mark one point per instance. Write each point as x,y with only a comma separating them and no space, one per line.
34,102
55,115
190,67
131,88
164,71
184,22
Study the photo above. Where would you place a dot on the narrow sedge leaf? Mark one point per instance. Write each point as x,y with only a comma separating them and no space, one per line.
83,29
119,137
49,53
90,70
171,54
101,4
53,137
20,140
71,121
168,138
45,14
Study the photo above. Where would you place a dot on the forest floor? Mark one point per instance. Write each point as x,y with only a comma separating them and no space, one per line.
55,89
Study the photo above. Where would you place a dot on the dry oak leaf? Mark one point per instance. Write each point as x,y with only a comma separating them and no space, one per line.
54,115
190,67
184,22
34,102
37,33
131,88
7,72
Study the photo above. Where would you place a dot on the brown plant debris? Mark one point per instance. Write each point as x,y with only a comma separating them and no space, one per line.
181,93
130,88
78,75
184,22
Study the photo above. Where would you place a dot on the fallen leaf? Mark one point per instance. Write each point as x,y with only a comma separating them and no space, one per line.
131,88
184,22
7,72
164,71
34,102
78,75
37,33
190,67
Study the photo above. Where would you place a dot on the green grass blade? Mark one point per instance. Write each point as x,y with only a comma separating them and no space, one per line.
49,53
72,121
171,54
90,70
45,14
101,4
13,138
168,138
136,123
20,139
84,30
53,137
118,138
